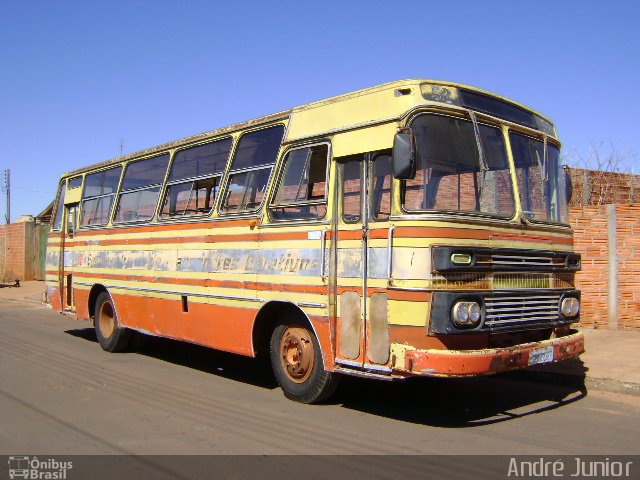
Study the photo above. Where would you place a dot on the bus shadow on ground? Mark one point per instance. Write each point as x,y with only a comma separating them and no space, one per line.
234,367
439,402
456,402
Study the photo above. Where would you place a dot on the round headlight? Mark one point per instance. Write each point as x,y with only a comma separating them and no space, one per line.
474,312
466,314
570,307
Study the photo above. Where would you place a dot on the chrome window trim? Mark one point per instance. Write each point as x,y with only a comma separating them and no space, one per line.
278,176
441,107
114,193
167,218
126,192
88,199
224,186
256,210
169,154
544,139
184,148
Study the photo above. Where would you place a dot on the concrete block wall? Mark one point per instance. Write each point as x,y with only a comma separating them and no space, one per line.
607,237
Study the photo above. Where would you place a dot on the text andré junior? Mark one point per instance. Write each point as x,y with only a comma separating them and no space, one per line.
570,468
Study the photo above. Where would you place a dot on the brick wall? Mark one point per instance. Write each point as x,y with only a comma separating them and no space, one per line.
2,254
13,251
628,250
21,256
596,187
592,241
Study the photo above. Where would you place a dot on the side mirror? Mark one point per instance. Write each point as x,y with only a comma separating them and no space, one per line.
404,155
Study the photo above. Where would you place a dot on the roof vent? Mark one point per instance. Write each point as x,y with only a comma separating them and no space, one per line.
399,92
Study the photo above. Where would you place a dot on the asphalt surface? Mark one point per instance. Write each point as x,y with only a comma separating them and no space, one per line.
61,394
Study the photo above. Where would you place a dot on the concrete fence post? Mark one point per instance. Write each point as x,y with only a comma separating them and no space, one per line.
612,262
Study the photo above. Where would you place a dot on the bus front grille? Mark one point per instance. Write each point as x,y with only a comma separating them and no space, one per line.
505,311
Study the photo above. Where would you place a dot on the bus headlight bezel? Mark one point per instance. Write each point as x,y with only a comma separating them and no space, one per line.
570,307
466,313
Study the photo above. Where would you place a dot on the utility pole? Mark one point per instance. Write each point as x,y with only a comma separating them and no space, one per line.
6,186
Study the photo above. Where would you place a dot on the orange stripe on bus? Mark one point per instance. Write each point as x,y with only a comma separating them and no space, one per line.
400,232
242,237
166,227
393,294
156,228
245,285
409,296
469,233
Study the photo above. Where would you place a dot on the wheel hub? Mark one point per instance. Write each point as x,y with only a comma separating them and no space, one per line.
297,353
106,320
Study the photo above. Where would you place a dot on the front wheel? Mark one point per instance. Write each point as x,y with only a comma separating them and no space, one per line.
297,365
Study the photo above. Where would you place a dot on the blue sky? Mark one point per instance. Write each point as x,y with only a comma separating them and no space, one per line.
79,77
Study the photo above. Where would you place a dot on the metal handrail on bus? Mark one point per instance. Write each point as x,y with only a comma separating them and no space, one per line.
389,253
323,246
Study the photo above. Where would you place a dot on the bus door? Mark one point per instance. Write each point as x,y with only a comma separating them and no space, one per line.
65,278
362,337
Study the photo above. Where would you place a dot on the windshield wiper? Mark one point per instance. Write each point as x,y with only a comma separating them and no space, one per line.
484,168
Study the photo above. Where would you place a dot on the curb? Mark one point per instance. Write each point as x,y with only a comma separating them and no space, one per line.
612,385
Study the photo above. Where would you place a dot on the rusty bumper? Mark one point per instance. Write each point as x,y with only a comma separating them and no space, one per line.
461,363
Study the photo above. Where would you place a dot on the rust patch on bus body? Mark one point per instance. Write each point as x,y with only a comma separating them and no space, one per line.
457,363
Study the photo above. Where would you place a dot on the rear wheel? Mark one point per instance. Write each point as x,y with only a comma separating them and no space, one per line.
111,336
297,364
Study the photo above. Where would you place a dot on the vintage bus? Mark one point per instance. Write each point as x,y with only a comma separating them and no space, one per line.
416,228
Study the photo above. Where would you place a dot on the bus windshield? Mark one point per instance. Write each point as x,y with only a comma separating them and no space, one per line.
540,179
450,174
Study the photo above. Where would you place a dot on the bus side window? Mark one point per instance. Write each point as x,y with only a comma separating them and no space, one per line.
98,195
302,187
250,170
352,188
71,220
140,189
57,220
380,197
194,179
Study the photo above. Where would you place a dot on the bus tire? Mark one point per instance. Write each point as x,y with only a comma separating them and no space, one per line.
297,364
111,336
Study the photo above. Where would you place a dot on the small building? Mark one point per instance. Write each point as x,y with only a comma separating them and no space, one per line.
23,247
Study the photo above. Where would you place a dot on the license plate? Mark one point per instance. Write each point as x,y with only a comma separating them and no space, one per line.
541,355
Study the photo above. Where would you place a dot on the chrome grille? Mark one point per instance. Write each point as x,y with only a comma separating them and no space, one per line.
521,260
521,310
498,259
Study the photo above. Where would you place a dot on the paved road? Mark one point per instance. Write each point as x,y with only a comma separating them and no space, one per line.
61,394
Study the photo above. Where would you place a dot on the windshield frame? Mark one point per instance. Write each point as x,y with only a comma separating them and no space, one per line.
481,159
562,202
506,127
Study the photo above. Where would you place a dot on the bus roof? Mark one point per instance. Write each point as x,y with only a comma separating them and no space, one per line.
310,115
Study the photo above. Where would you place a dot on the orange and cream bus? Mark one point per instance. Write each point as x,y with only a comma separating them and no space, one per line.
416,228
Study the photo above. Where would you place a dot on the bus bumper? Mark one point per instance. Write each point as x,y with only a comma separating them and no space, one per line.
462,363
